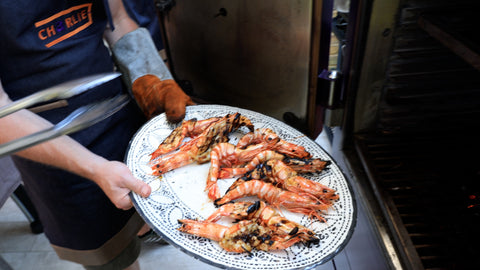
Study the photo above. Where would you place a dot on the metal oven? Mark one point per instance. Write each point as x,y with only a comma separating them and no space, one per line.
402,115
406,126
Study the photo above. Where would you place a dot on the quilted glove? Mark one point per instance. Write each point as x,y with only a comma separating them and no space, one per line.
147,76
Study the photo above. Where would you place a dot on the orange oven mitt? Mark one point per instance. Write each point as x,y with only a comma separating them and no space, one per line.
155,96
148,78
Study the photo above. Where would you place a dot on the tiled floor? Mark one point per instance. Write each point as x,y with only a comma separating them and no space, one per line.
23,250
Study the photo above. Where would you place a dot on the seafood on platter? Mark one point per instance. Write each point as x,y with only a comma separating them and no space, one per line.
243,236
199,147
269,166
266,216
282,175
284,147
300,165
256,151
226,154
303,203
188,128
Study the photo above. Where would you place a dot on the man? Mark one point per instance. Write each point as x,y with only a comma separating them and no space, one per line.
78,183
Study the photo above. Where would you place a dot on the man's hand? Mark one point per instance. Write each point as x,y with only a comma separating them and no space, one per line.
155,96
116,180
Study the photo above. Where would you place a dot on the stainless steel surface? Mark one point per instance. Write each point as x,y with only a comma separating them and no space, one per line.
253,55
383,253
379,43
413,109
61,91
79,119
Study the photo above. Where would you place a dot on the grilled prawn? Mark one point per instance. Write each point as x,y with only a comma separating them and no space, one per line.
284,147
198,148
302,203
226,154
282,175
241,237
266,216
313,165
188,128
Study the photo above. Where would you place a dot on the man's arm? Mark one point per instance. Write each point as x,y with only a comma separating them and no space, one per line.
144,71
123,24
113,177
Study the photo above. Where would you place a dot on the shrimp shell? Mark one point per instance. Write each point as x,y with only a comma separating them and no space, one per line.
282,146
266,216
303,203
198,149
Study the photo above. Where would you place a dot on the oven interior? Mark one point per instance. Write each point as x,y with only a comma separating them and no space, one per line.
413,121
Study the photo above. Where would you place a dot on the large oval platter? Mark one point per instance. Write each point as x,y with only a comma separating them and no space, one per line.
179,194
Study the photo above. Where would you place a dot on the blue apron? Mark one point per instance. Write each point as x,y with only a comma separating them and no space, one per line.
44,43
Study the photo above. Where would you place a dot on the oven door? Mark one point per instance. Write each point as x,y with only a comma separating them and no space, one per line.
260,55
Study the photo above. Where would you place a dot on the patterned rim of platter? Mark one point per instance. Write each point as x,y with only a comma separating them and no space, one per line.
179,194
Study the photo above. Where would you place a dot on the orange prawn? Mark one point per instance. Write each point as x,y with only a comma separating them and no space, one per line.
277,172
188,128
284,147
302,203
313,165
198,148
266,216
226,154
241,237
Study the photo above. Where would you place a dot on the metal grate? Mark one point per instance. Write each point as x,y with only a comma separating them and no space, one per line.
423,155
433,186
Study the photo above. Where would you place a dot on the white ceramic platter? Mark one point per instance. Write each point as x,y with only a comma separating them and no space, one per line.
179,194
